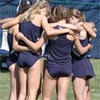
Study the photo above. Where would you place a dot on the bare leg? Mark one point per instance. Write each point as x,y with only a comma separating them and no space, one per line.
13,82
23,83
63,84
39,90
87,93
79,88
34,80
48,86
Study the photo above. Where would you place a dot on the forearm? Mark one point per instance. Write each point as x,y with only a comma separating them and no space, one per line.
35,46
82,50
49,31
57,31
9,24
90,31
20,48
12,22
70,26
5,20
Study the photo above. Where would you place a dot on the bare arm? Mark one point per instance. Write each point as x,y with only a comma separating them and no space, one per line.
89,27
82,50
66,25
5,20
33,46
50,31
16,46
11,22
69,26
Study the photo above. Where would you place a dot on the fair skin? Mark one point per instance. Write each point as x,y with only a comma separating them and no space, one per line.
26,76
91,30
62,91
82,93
42,20
87,93
88,86
14,81
62,82
9,22
13,78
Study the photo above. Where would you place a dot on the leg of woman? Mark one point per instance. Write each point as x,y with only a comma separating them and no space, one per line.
39,90
34,80
22,83
87,92
48,86
13,82
62,83
79,88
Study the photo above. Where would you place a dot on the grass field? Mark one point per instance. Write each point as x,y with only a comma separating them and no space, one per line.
95,89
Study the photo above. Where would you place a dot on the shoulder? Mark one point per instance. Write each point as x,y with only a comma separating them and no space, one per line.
38,17
70,37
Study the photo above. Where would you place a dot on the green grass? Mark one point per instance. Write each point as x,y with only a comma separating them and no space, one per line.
95,89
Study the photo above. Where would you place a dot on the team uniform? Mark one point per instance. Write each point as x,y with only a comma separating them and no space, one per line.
58,55
13,56
33,33
81,65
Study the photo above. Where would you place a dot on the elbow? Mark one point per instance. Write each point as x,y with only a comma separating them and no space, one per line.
48,33
15,48
37,49
82,52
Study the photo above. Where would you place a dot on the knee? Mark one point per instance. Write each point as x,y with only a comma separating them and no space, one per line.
46,97
61,98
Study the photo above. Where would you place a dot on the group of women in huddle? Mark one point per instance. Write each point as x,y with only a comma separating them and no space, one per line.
68,38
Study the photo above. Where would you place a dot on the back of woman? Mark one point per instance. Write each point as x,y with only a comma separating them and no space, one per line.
31,31
58,67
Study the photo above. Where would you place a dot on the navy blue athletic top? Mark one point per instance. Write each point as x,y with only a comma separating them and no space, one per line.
59,50
31,31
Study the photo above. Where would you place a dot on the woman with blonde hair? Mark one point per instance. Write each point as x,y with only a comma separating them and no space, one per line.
13,56
32,23
82,68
